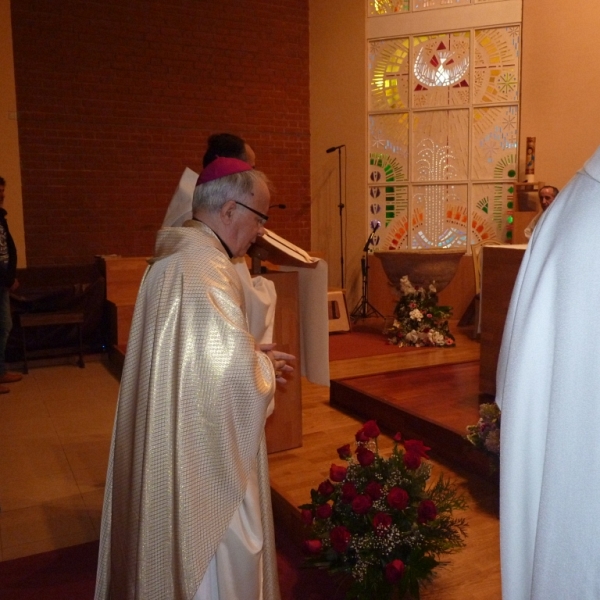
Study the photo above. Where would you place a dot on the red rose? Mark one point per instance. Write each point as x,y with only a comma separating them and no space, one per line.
427,511
344,452
394,571
313,546
349,492
411,460
397,498
326,488
398,437
323,511
382,521
337,473
362,504
416,447
370,428
365,456
306,516
340,538
374,490
361,436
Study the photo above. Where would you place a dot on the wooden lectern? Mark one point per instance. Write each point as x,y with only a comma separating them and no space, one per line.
284,426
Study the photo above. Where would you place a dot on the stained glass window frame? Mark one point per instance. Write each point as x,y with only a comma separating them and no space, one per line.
382,8
500,183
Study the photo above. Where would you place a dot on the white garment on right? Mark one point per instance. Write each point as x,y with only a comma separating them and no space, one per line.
548,386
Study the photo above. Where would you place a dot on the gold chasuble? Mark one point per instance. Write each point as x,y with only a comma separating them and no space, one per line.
189,428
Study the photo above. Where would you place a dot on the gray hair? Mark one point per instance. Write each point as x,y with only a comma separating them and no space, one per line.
211,196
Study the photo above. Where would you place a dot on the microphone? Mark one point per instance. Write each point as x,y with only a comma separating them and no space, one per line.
375,225
277,206
334,148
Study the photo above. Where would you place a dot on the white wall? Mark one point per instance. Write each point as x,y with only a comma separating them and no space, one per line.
560,86
338,116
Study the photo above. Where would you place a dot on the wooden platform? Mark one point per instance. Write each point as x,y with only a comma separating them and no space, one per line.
471,574
434,404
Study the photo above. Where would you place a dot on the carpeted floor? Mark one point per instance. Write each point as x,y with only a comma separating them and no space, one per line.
360,343
70,573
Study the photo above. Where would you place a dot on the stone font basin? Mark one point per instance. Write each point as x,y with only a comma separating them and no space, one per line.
422,267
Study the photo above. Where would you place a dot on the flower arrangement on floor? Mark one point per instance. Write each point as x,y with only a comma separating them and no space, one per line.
419,321
485,434
378,521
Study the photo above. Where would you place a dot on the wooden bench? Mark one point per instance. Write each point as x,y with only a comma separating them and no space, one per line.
123,275
46,319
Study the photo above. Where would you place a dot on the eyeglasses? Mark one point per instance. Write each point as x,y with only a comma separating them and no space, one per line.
263,218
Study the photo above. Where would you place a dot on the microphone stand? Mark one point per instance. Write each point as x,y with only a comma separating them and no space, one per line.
341,208
364,309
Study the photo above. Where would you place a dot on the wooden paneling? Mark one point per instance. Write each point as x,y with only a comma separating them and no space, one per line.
123,276
499,271
284,426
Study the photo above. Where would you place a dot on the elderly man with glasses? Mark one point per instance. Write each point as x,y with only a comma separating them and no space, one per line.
187,504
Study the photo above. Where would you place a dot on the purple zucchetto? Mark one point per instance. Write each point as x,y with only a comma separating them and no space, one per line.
221,167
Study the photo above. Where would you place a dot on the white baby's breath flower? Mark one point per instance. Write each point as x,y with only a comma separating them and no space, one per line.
406,286
416,314
437,339
411,336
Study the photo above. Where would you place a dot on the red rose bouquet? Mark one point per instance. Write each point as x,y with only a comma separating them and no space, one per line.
377,519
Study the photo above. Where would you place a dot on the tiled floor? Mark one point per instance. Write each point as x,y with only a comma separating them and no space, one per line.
55,428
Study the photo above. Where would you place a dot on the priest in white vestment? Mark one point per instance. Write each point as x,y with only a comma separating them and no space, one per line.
187,511
549,391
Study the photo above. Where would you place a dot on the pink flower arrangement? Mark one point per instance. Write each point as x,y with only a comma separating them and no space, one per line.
485,434
379,521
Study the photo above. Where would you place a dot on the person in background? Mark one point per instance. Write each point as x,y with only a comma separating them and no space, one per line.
230,146
224,145
546,195
8,283
187,511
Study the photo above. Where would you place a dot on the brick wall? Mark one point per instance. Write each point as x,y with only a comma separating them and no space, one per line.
115,98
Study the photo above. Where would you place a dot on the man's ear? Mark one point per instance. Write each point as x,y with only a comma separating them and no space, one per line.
227,210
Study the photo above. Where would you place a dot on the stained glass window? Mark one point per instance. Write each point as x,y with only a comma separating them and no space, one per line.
425,4
388,65
390,7
443,137
441,70
496,72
